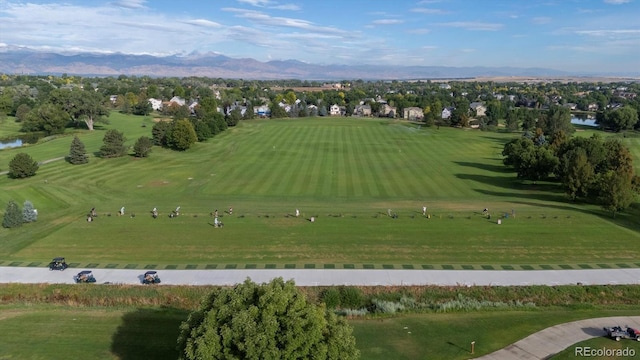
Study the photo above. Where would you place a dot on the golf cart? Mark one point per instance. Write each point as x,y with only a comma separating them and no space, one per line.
151,277
85,276
58,264
617,333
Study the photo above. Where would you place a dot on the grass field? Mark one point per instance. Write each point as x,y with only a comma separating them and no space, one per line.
348,173
150,333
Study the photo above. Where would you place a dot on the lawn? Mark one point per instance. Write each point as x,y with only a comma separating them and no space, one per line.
349,174
151,333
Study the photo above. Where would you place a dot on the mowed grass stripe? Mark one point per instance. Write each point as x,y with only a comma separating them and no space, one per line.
305,163
374,161
362,159
280,164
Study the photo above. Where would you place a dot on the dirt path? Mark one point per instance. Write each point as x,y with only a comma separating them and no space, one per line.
552,340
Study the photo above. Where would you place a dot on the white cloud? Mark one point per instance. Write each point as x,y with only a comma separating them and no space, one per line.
617,2
422,10
540,20
270,4
609,33
130,4
387,22
204,23
473,25
261,18
420,31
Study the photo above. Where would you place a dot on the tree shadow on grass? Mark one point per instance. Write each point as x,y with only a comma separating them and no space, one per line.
148,334
502,169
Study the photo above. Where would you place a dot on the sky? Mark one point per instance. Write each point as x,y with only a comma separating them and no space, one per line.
590,36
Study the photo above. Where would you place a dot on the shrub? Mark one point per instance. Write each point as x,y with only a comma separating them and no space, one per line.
22,166
331,298
351,297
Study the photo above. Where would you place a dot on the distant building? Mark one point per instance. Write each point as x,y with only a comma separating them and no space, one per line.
413,113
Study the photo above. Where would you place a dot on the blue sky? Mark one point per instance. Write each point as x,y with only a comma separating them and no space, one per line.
574,35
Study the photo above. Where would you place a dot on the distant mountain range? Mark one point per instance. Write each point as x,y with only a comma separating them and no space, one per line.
15,60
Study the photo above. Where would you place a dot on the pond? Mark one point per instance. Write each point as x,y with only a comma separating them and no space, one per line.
583,120
10,143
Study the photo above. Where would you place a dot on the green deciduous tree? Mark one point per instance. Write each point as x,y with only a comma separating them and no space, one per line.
12,216
578,173
615,191
77,152
624,118
29,214
47,118
85,106
557,118
142,147
181,135
113,144
267,321
22,165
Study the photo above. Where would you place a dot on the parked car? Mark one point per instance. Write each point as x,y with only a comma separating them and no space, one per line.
58,264
151,277
617,333
85,276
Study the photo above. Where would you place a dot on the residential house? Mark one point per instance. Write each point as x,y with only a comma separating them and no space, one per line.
478,108
113,98
334,110
446,112
388,111
177,100
262,111
445,86
156,104
362,110
592,107
413,113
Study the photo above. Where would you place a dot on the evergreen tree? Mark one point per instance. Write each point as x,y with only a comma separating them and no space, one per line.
77,152
22,165
12,216
113,144
29,214
159,133
143,146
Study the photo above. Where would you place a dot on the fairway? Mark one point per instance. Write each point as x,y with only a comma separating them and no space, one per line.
348,174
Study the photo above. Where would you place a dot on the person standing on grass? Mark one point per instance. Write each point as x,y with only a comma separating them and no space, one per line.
297,212
424,211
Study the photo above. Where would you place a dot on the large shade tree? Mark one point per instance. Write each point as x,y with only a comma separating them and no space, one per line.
264,321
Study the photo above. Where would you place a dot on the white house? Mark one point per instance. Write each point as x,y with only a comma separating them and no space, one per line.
177,100
334,110
156,104
446,112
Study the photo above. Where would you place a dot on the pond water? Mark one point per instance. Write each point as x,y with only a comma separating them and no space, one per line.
11,143
583,120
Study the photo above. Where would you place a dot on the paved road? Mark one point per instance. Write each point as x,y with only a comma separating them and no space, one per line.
326,277
550,341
